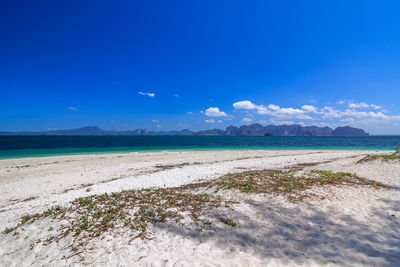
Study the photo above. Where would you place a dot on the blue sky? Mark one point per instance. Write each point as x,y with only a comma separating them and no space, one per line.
199,64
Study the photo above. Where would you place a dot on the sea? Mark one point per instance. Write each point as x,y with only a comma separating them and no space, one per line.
36,146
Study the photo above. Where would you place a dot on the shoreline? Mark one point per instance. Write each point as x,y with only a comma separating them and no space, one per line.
31,185
33,153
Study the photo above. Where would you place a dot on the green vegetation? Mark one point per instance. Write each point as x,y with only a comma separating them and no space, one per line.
385,157
92,216
9,230
292,183
229,222
32,218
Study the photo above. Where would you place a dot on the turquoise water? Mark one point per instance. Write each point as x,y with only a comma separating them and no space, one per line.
34,146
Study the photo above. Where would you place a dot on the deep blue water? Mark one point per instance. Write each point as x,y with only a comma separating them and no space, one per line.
27,146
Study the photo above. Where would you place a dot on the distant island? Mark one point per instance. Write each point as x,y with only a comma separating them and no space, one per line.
251,130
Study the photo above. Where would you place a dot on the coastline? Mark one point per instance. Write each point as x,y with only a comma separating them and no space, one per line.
30,185
42,146
23,153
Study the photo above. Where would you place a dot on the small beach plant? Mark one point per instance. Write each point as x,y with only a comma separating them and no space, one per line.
293,184
393,157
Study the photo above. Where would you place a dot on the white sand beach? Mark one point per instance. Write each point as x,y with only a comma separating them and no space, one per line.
350,226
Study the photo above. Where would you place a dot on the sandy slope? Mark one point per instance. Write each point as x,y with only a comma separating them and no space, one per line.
352,226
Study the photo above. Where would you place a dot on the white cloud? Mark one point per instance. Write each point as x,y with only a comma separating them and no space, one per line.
310,108
262,121
210,121
375,106
190,113
363,114
147,94
262,110
380,115
351,114
176,95
244,105
273,107
291,113
215,112
159,126
275,110
72,108
363,105
358,105
330,112
247,119
348,120
155,120
248,105
359,114
219,121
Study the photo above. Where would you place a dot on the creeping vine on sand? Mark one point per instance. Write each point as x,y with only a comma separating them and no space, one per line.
385,157
90,217
292,183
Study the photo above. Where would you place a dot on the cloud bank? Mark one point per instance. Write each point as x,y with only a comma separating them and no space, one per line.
358,114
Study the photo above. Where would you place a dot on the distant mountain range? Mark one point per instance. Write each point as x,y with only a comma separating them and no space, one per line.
251,130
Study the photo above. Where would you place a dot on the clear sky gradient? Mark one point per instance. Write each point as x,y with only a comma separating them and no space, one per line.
199,64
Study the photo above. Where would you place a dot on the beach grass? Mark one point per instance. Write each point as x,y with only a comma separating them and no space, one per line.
385,157
94,215
293,184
